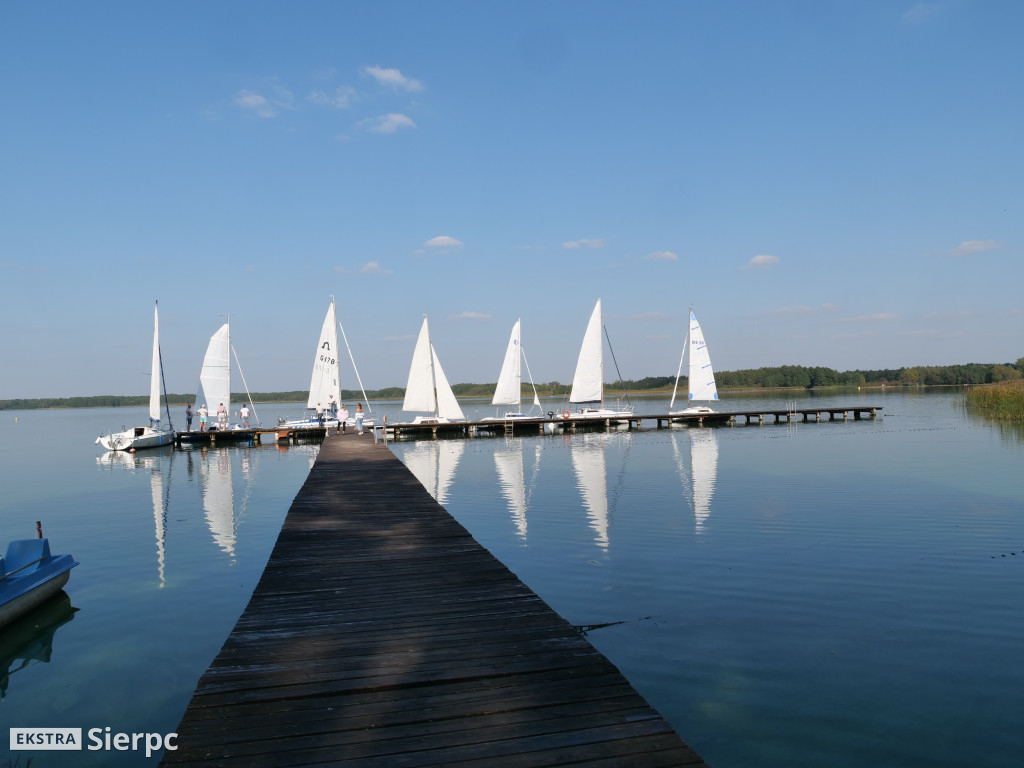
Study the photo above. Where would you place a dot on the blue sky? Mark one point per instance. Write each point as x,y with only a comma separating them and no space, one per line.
826,183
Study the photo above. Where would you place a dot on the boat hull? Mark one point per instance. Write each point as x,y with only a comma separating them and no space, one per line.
136,439
30,575
14,609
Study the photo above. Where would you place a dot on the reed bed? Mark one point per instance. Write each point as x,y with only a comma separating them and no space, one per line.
1004,401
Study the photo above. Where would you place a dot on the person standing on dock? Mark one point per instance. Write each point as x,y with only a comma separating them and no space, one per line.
342,418
188,417
243,414
332,406
359,418
320,414
203,414
222,417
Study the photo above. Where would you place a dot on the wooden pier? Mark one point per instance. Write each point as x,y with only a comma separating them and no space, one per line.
381,634
255,435
575,423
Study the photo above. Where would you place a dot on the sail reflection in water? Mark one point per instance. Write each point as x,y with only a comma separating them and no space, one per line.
699,483
509,463
589,464
434,462
219,497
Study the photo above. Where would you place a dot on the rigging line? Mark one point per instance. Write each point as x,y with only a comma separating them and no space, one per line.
239,364
350,357
617,372
536,398
679,372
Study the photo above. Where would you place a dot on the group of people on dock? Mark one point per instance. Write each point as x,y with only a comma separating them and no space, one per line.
341,416
222,417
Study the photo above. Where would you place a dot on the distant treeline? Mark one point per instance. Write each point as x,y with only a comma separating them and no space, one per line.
786,376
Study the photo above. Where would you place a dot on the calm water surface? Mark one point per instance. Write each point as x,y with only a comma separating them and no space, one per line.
836,594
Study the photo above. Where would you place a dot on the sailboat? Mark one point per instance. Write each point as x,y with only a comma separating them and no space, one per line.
700,483
588,382
154,435
701,376
215,376
427,388
509,388
325,382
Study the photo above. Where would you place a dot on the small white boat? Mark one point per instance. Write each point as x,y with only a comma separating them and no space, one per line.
427,388
152,436
29,576
509,388
588,382
701,376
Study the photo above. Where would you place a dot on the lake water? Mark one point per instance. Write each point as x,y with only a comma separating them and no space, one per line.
840,593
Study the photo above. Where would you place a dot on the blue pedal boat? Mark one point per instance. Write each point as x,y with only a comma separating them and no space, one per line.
29,576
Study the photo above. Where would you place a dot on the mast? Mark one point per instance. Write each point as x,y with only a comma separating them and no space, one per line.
682,355
433,376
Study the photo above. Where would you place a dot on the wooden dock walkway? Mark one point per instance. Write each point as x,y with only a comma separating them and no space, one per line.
574,423
382,634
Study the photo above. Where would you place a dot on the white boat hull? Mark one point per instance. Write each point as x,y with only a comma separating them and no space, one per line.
136,439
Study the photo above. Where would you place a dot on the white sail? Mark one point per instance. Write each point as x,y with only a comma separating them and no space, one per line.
702,376
591,477
508,390
154,379
509,463
216,374
326,381
419,389
447,406
588,383
427,388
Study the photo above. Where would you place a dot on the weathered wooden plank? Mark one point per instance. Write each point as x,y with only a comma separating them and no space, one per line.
382,634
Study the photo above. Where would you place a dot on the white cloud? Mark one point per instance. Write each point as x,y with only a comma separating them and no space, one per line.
255,103
872,318
373,268
974,246
762,260
585,243
920,13
342,97
393,78
386,123
470,316
803,310
662,256
342,270
442,242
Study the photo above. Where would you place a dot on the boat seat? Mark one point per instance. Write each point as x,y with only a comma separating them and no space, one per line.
22,551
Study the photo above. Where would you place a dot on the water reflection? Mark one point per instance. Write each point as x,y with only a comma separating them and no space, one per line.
588,462
699,482
509,462
434,462
219,497
29,640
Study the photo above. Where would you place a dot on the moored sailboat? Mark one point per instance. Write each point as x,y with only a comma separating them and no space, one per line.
215,383
325,382
154,435
509,388
588,381
427,388
701,376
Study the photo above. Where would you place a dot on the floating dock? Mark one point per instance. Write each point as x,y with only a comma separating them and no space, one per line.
382,634
575,423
